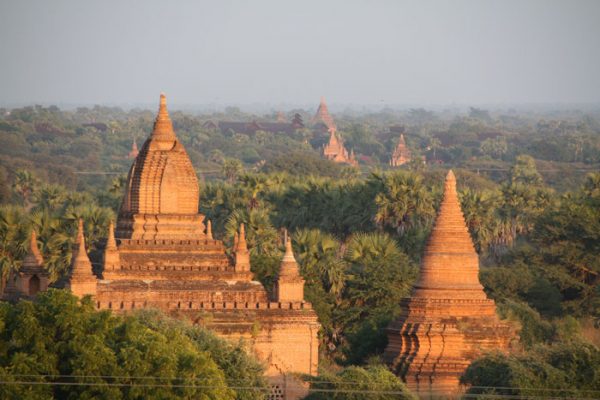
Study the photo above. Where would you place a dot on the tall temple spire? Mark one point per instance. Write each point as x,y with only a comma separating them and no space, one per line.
290,284
112,258
81,280
242,255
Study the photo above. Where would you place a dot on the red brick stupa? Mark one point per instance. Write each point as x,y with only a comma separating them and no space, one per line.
401,153
448,321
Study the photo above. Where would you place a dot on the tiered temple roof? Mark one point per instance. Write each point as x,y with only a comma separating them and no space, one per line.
335,150
401,153
448,320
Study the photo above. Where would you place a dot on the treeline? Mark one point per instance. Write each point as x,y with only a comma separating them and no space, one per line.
58,145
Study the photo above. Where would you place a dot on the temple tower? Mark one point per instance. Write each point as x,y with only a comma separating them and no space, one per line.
401,153
448,320
31,278
323,117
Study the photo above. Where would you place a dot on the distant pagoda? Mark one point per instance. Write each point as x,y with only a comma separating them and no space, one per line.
134,150
448,321
335,151
323,117
401,153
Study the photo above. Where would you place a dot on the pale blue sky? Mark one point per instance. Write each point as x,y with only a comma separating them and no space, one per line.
353,52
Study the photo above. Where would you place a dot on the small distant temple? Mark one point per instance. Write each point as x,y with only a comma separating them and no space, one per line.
401,154
162,255
448,320
31,278
322,118
335,151
134,150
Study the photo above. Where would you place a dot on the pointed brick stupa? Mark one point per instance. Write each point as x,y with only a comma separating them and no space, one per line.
322,116
448,320
401,153
81,280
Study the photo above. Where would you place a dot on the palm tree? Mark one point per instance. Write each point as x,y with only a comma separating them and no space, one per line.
404,202
434,144
231,169
320,259
261,236
24,185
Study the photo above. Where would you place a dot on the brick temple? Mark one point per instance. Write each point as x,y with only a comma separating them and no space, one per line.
448,320
335,150
401,154
162,255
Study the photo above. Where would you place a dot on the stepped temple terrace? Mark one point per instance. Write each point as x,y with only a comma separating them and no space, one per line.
161,254
448,320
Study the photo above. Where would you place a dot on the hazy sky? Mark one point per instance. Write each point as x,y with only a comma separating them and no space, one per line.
361,52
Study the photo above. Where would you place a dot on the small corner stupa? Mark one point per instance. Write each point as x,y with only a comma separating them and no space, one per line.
31,278
81,280
323,117
335,150
448,320
401,153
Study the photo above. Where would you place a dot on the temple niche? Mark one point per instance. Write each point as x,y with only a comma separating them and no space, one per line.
448,321
162,255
